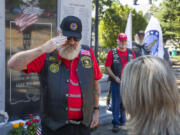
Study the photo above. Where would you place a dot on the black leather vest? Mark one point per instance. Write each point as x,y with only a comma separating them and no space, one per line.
117,66
54,79
139,50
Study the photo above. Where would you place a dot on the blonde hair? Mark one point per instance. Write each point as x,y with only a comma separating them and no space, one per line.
150,96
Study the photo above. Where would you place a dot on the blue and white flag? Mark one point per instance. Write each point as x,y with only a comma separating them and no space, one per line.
128,30
153,38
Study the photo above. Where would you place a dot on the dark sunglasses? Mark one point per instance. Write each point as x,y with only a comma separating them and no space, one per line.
75,39
141,34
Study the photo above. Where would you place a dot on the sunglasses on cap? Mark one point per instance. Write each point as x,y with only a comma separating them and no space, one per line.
141,34
75,39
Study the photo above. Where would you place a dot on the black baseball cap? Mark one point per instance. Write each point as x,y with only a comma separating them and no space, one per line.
141,33
71,26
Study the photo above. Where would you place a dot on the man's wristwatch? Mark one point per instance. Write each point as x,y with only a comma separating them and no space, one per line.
96,108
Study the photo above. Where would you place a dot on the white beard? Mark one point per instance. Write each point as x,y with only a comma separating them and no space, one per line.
140,42
69,52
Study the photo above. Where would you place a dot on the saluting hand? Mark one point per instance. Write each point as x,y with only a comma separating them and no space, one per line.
53,44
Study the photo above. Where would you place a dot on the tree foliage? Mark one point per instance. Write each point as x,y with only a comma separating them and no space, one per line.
114,22
103,5
169,16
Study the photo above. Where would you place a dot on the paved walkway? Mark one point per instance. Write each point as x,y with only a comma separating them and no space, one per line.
105,127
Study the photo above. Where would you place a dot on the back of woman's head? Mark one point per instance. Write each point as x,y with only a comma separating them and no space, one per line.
150,96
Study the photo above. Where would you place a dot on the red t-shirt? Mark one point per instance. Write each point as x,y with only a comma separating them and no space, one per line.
123,55
74,103
37,64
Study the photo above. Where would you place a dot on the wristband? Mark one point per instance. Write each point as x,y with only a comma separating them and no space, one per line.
96,108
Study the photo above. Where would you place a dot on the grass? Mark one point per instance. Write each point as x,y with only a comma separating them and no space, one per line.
177,58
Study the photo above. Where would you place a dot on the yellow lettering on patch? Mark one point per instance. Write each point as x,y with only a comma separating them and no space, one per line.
51,58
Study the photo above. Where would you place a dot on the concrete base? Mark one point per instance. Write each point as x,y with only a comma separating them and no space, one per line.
104,83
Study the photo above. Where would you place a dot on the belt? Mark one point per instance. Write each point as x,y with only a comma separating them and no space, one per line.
75,122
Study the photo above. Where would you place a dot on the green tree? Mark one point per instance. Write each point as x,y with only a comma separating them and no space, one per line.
114,22
169,16
103,5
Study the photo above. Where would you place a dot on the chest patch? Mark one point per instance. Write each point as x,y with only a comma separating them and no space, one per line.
86,62
54,68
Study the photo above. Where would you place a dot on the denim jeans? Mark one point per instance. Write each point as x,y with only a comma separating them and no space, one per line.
119,117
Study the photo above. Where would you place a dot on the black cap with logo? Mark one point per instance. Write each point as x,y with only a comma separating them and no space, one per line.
141,33
71,26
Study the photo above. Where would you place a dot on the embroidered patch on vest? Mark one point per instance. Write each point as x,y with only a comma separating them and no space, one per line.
54,68
51,58
86,61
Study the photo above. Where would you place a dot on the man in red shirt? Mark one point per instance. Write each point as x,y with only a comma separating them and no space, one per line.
116,60
69,76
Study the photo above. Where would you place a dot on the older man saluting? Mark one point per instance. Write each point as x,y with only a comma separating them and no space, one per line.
69,100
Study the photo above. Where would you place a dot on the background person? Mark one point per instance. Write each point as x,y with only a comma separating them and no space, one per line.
138,45
167,56
116,60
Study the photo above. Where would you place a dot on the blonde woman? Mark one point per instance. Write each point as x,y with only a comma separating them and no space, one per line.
151,97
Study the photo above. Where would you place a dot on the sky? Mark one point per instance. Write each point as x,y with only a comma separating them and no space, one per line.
143,4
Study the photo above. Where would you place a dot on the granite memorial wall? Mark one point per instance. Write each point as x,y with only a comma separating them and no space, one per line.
28,24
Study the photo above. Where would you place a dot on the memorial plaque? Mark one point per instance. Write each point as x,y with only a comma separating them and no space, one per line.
81,9
29,24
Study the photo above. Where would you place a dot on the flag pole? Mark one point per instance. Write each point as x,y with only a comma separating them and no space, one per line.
128,30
